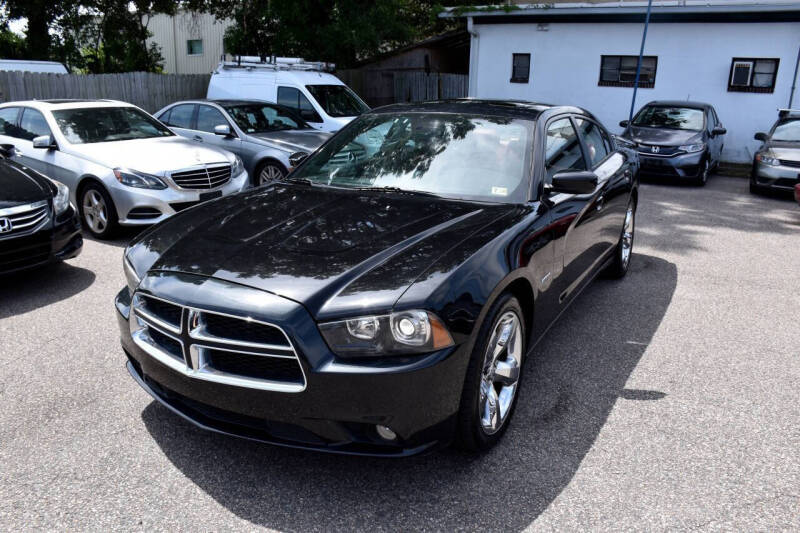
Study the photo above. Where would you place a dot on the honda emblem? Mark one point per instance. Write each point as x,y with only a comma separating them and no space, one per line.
5,225
655,149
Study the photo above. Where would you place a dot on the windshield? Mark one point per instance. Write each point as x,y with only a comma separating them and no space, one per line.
260,118
672,118
86,125
455,156
338,100
788,131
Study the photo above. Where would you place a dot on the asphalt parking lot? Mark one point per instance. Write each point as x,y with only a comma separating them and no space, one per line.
668,400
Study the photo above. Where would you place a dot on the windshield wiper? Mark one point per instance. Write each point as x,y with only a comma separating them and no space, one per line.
389,188
300,181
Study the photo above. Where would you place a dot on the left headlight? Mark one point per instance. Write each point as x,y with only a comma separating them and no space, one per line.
237,167
403,332
130,273
61,198
698,147
767,160
140,180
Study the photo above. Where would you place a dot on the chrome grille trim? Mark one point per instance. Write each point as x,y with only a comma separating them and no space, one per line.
208,176
194,341
26,219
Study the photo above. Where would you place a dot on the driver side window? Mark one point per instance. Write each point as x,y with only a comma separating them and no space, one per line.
563,149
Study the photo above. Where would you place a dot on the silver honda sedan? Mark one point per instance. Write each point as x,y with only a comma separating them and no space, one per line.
122,166
270,139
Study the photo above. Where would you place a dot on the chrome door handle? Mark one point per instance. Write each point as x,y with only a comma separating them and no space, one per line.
599,203
197,138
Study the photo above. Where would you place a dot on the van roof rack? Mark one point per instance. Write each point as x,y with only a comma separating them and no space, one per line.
783,113
274,63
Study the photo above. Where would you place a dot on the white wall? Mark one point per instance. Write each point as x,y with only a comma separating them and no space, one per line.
694,61
171,34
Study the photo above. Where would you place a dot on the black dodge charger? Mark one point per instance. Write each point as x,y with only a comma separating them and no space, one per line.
38,225
382,299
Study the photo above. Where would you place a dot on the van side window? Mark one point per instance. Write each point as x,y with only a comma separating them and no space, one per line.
297,101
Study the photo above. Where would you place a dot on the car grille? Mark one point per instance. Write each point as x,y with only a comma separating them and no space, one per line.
208,177
661,151
24,219
790,163
216,347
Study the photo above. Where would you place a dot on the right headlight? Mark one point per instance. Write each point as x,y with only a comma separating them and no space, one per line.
61,198
140,180
131,276
403,332
767,160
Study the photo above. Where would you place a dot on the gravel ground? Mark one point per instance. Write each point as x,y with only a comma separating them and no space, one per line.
668,400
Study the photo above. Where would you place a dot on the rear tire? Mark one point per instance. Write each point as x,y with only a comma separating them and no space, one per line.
98,214
493,377
624,250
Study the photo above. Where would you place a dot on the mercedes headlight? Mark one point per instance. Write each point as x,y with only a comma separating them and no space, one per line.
237,167
296,158
403,332
698,147
61,198
767,160
130,273
140,180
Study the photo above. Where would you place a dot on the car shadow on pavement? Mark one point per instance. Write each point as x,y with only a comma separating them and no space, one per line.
29,290
574,378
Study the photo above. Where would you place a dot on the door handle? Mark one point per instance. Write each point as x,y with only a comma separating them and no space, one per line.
599,203
197,138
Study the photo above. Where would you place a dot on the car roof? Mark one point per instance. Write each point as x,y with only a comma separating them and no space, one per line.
506,108
223,102
52,105
679,103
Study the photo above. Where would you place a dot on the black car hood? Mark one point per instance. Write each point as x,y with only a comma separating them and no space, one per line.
335,251
21,185
663,137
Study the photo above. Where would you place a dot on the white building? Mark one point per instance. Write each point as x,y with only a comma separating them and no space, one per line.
739,55
191,43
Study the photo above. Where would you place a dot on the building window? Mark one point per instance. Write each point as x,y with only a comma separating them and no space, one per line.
751,75
194,47
520,68
620,71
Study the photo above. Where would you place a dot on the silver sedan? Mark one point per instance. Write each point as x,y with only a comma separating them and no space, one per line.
776,164
269,138
122,166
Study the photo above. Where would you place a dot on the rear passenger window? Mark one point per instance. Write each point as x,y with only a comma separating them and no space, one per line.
180,116
33,124
594,139
563,150
8,121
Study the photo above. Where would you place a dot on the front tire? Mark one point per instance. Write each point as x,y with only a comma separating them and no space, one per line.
705,172
268,172
98,213
624,250
493,376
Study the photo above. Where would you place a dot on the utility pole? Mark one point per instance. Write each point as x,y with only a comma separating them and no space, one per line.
639,64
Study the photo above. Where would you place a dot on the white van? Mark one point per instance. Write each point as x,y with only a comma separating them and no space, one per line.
25,65
318,96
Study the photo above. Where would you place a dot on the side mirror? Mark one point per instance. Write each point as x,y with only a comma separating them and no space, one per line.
761,136
719,130
45,142
571,182
223,130
623,123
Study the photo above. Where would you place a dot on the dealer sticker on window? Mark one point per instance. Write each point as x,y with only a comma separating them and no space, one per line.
500,191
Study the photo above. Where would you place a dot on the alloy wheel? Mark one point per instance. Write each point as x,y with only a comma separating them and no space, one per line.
501,371
95,211
627,236
269,174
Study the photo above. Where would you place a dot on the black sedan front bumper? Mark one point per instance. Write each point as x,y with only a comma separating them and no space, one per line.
341,403
58,241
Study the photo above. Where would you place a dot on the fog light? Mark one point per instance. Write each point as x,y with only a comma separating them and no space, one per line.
385,433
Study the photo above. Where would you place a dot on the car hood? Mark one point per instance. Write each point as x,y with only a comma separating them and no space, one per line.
293,140
21,185
156,156
663,137
337,252
784,150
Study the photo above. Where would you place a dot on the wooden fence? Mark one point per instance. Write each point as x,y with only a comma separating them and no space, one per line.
149,91
420,87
